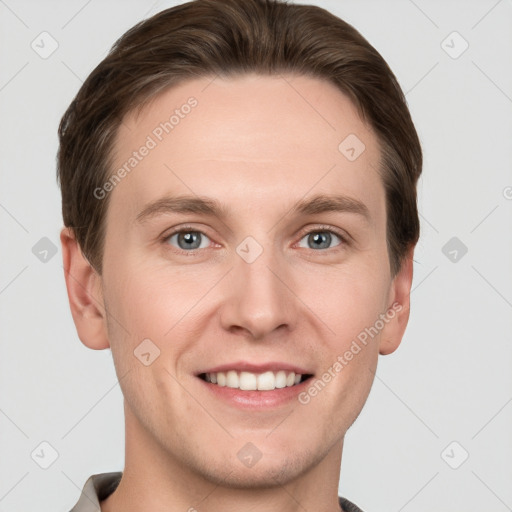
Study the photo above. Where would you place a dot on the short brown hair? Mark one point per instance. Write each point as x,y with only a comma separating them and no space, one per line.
228,37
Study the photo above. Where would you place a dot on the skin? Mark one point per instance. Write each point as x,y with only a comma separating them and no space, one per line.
258,145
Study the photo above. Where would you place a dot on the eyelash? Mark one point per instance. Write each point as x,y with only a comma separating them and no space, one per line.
344,239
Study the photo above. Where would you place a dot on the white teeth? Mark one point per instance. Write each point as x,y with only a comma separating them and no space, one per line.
232,379
221,378
281,379
266,381
249,381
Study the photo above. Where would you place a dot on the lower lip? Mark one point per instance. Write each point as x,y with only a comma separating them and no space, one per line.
256,399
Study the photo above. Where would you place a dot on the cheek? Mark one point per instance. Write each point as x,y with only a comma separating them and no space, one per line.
347,300
163,305
151,301
353,305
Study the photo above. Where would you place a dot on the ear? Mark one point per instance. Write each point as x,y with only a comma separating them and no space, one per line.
85,295
398,307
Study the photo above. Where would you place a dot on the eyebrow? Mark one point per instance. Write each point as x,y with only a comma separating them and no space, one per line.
321,203
331,203
182,204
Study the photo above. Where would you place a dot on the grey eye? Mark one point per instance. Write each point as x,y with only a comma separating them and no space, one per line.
189,240
319,240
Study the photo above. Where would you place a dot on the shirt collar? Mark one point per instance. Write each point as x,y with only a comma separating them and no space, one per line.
99,487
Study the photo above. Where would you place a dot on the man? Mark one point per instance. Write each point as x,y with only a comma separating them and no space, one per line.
239,194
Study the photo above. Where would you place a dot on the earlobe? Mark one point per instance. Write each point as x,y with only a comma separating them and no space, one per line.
398,307
83,285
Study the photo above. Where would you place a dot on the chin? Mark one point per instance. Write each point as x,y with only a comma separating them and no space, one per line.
266,473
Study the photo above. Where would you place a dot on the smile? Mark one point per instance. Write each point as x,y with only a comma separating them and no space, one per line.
248,381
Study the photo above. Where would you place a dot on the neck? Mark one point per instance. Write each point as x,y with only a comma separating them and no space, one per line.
155,480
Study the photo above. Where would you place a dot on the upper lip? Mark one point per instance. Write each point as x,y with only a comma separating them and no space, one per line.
244,366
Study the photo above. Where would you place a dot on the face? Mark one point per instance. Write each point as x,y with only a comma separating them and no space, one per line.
247,247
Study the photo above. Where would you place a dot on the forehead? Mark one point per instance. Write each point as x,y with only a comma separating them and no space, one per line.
247,138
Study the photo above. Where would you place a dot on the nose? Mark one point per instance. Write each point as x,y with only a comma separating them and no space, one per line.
259,298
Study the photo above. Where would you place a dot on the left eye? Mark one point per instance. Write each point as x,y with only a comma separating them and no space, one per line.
319,239
189,240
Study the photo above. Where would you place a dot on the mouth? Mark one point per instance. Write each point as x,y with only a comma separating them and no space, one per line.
255,381
255,387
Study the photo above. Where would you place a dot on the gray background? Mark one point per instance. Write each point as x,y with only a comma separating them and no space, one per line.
451,378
